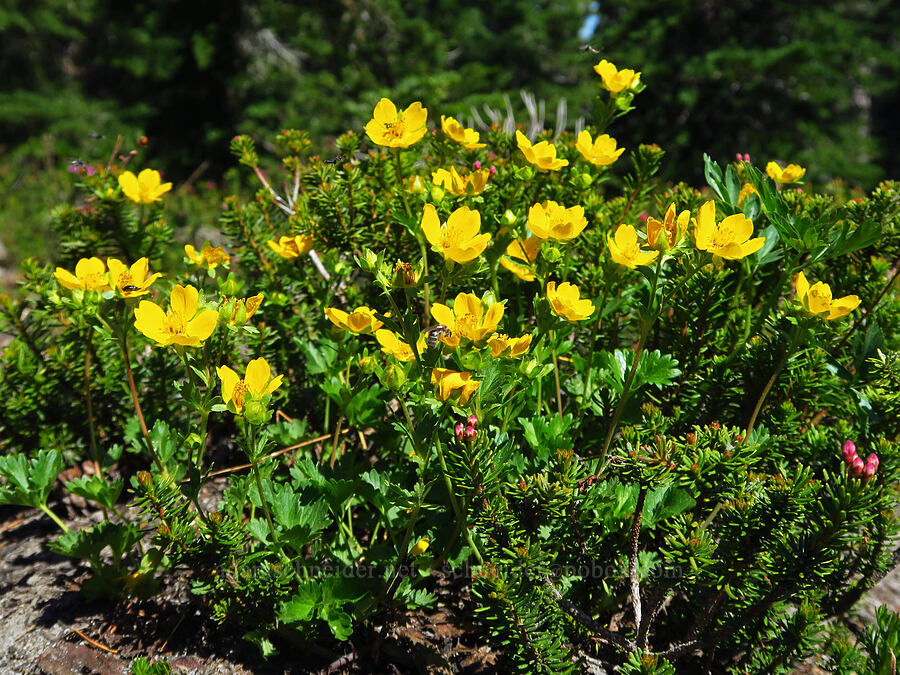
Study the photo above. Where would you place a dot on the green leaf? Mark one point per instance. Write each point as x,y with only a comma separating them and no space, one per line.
302,605
29,481
97,489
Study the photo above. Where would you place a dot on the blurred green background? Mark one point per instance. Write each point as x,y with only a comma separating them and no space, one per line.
807,82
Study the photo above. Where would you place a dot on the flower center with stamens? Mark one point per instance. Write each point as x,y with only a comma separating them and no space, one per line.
239,394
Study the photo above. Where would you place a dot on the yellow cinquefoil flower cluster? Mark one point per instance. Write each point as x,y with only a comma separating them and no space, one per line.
145,188
209,256
666,235
729,239
600,151
292,247
256,383
550,220
458,239
472,183
451,383
614,79
817,300
789,174
624,248
92,275
468,138
183,324
542,155
397,130
566,302
467,320
361,321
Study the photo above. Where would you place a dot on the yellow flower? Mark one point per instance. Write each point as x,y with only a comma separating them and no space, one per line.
614,79
552,221
90,275
131,282
789,174
816,299
472,183
458,239
449,381
747,189
625,249
542,155
182,325
209,257
393,345
420,547
566,302
257,383
361,320
238,312
600,152
468,319
522,250
292,247
468,138
667,234
507,346
730,239
145,188
397,130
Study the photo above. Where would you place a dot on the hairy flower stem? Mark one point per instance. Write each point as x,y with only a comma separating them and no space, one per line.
795,338
460,516
632,567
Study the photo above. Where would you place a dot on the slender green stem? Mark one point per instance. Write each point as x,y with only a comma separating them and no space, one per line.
137,405
460,516
556,374
53,517
400,183
795,338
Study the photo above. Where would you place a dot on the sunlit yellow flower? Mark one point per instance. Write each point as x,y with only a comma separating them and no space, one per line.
567,303
237,312
393,345
257,383
145,188
614,79
361,320
599,152
522,250
209,257
131,282
292,247
667,234
730,239
90,275
816,299
747,189
420,547
504,345
550,220
458,239
624,249
397,130
468,138
468,319
182,325
451,381
542,155
789,174
472,183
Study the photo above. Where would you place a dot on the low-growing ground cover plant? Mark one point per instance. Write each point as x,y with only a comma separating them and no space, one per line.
648,424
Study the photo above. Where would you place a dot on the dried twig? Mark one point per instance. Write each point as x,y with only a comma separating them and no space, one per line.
94,643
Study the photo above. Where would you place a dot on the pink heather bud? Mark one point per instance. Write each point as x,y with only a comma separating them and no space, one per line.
469,434
857,466
492,170
459,429
492,155
472,421
849,452
869,470
873,459
738,156
643,216
478,165
849,445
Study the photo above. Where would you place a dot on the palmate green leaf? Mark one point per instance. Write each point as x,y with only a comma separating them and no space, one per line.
88,544
97,489
302,605
665,502
29,481
654,368
299,523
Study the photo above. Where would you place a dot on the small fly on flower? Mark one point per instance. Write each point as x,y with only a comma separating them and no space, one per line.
78,163
434,333
337,159
130,288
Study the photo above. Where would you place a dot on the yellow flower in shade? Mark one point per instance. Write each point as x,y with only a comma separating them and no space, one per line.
468,319
567,303
420,547
667,234
730,239
237,312
292,247
522,250
397,130
131,282
472,183
503,345
789,174
209,257
468,138
624,249
599,152
257,383
459,239
145,188
542,155
361,320
182,325
450,381
816,299
747,189
90,275
393,345
549,220
614,79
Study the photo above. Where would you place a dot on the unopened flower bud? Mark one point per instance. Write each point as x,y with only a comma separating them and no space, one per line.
394,377
469,434
417,185
437,193
459,429
873,459
472,421
857,466
869,470
477,165
492,170
367,364
849,451
255,412
144,478
509,218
